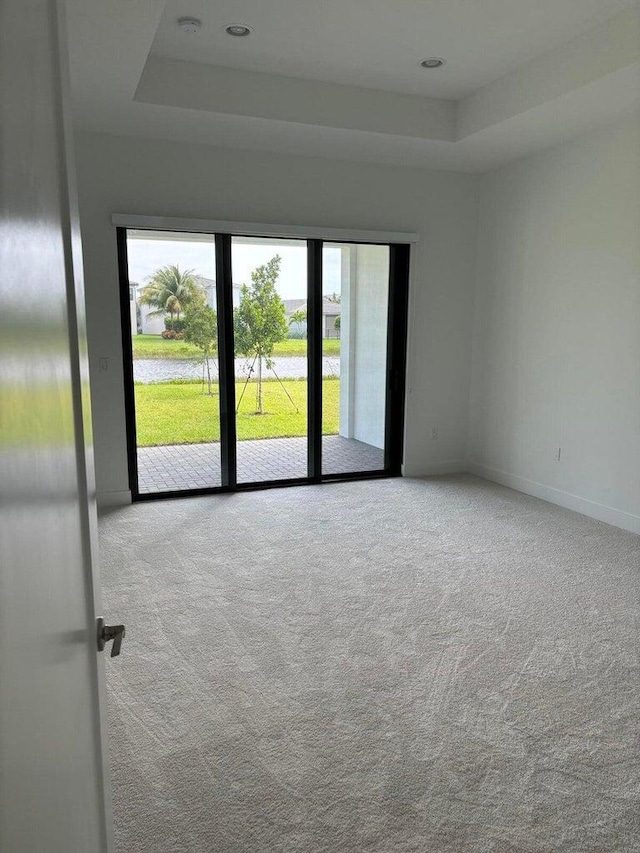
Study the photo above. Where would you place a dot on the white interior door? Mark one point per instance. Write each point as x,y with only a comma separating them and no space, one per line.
53,791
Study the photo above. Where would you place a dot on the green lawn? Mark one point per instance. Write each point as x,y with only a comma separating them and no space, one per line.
179,413
155,346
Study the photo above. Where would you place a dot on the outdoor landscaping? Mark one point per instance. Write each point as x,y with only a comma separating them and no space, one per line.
181,413
172,410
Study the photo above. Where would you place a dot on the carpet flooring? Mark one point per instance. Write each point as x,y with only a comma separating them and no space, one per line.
392,666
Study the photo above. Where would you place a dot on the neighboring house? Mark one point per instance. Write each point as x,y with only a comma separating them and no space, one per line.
144,324
133,309
331,311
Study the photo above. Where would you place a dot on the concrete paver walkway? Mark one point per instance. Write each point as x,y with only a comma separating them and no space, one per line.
196,466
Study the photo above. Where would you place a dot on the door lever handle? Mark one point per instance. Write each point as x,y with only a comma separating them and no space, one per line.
106,633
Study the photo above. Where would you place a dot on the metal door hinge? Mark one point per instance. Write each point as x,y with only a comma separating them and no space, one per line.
106,633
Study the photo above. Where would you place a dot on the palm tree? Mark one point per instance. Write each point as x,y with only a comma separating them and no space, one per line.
169,291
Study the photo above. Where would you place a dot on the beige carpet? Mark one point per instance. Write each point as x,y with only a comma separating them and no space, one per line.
397,666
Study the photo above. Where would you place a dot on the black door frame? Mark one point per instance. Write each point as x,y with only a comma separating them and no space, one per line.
397,319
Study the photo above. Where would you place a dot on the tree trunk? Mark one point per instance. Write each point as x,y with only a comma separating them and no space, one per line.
206,358
259,407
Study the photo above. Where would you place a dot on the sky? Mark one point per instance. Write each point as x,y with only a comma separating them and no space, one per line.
146,256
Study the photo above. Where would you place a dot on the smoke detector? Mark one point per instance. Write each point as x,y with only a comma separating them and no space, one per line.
190,26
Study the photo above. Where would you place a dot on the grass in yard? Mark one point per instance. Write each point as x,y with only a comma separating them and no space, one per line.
330,346
179,413
155,346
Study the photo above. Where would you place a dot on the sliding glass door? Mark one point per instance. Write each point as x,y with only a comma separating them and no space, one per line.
270,343
173,333
355,302
254,360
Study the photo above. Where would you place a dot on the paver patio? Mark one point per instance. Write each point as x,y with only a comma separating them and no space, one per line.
197,466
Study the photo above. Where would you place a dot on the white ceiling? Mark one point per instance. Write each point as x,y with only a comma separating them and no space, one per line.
340,78
378,44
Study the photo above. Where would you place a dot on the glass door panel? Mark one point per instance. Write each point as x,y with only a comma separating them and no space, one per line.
355,288
270,341
174,342
216,401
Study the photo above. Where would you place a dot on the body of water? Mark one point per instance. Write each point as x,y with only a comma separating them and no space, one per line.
163,369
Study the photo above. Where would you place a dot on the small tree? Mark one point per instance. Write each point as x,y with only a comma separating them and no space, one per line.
260,321
201,330
336,325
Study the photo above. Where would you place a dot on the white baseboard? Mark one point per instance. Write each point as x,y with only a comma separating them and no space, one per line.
449,466
109,499
600,512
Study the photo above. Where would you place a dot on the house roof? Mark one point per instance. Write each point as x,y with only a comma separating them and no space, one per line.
333,309
293,305
205,282
329,308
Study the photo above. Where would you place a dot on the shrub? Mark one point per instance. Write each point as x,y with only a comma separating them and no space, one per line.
169,335
175,325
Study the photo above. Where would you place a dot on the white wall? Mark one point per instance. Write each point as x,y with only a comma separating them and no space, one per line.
150,325
556,337
347,340
556,357
133,316
370,368
364,290
132,175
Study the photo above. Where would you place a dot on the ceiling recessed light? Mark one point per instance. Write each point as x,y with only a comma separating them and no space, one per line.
432,62
189,25
238,30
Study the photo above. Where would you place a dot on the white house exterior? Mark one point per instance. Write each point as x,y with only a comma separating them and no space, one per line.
331,311
142,323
